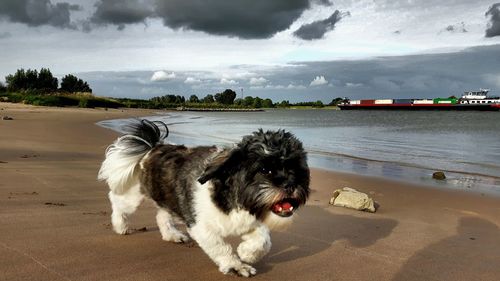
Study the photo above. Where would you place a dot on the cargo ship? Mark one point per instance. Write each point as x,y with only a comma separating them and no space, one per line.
470,100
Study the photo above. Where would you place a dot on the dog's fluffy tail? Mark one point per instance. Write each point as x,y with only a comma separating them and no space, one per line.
119,169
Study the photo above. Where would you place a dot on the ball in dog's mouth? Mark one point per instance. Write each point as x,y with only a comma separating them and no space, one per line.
285,207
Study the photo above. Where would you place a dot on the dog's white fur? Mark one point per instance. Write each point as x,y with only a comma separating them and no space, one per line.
212,225
119,169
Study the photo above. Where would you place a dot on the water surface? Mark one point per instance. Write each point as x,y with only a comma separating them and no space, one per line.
403,145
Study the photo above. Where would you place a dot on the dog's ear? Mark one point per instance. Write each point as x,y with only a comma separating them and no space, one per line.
222,165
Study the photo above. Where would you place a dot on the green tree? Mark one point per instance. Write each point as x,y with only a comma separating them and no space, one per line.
73,84
31,79
208,99
227,97
318,104
267,103
248,101
3,89
166,100
179,99
47,82
336,101
17,81
283,103
238,102
257,102
194,99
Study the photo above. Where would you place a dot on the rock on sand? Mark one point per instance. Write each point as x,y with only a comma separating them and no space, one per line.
353,199
439,176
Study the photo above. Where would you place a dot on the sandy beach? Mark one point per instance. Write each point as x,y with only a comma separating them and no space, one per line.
54,219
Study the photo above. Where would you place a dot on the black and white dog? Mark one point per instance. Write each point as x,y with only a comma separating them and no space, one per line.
242,191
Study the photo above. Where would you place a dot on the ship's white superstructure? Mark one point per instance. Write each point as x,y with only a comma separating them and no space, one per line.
478,97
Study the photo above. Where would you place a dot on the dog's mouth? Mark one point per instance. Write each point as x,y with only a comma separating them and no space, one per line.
285,207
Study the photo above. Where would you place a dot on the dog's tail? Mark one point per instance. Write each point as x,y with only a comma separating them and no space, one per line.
119,169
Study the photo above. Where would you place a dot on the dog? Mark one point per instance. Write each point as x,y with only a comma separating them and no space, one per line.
244,191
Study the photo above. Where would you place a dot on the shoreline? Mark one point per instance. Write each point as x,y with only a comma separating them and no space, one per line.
55,219
221,109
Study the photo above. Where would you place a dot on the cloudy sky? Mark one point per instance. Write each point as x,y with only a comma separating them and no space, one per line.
297,50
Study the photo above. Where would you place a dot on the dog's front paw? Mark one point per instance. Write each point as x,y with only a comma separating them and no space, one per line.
252,253
121,229
176,237
240,269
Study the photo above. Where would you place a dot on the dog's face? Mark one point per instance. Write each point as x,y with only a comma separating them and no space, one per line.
266,173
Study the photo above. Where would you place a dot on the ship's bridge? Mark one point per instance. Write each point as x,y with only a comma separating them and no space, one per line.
476,95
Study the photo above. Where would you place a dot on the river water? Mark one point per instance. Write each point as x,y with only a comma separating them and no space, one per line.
401,145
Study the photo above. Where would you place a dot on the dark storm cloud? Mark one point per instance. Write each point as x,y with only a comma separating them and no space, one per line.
494,24
248,19
317,29
121,12
324,2
38,12
245,19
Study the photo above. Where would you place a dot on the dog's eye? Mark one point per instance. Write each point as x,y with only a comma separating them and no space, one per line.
266,171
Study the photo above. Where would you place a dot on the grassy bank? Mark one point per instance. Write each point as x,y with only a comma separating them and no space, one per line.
61,100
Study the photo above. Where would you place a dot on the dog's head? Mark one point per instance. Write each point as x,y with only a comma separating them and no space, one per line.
266,174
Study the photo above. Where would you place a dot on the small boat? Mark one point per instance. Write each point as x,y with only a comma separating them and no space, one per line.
470,100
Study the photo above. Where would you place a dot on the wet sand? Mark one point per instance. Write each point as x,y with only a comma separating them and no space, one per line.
54,219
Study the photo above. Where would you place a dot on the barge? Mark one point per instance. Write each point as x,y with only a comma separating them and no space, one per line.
470,100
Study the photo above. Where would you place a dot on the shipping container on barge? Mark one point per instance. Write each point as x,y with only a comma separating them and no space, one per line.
470,100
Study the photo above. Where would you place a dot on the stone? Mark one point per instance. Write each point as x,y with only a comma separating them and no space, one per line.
439,176
353,199
7,118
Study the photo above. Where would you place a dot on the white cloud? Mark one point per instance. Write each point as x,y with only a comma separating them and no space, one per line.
162,76
225,81
295,87
318,81
353,85
258,81
238,75
192,80
274,87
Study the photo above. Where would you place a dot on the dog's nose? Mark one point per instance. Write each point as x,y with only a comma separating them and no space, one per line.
289,187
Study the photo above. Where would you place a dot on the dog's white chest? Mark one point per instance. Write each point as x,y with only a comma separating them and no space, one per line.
237,222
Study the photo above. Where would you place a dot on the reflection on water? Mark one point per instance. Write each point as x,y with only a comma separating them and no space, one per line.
400,145
483,184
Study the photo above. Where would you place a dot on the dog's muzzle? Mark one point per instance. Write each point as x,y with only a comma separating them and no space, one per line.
285,207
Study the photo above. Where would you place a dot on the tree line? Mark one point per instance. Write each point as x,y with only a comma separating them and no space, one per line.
43,82
227,98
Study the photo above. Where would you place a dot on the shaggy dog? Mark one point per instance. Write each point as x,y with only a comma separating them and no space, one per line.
243,191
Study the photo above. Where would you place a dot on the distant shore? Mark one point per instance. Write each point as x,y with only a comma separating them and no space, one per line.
221,109
55,219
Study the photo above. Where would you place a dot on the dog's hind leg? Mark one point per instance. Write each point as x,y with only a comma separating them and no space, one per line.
167,227
123,206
